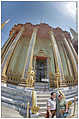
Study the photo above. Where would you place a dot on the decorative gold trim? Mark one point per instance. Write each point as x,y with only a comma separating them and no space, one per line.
28,110
30,50
34,108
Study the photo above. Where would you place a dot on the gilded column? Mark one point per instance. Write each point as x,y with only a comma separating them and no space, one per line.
6,46
73,50
73,61
57,55
67,61
48,63
29,58
9,53
34,62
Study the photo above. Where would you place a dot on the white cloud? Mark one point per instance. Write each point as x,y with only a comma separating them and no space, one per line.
68,9
71,9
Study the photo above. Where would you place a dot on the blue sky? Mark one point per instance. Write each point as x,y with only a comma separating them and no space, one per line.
62,14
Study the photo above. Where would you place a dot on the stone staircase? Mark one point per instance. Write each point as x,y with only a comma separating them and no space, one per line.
41,86
42,102
43,96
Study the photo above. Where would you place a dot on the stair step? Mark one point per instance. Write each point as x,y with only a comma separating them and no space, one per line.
42,89
11,101
9,105
42,99
7,99
41,103
43,92
41,96
70,96
41,86
16,91
7,95
42,109
42,114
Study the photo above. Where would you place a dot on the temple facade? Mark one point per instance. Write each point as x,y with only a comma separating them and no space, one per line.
39,52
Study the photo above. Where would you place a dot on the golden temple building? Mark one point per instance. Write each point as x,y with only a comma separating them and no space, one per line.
39,53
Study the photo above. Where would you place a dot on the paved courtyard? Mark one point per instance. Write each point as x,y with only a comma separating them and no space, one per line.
7,112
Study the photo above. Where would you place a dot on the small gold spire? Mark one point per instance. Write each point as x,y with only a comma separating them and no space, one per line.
3,24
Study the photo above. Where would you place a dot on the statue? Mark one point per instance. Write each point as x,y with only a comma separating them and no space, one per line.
30,78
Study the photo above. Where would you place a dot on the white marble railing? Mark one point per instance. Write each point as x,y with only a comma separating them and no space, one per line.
16,97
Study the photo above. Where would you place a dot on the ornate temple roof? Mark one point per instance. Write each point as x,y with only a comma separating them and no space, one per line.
43,30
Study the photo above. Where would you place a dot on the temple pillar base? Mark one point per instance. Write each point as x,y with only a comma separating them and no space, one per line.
4,78
62,83
22,82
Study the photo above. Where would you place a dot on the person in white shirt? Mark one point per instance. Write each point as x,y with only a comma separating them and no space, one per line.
51,106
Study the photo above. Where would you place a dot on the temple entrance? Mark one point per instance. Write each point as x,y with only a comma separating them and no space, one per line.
41,69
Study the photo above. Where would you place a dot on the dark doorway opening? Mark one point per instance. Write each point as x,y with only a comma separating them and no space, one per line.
41,69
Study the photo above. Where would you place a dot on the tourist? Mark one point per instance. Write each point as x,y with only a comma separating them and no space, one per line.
51,106
62,106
